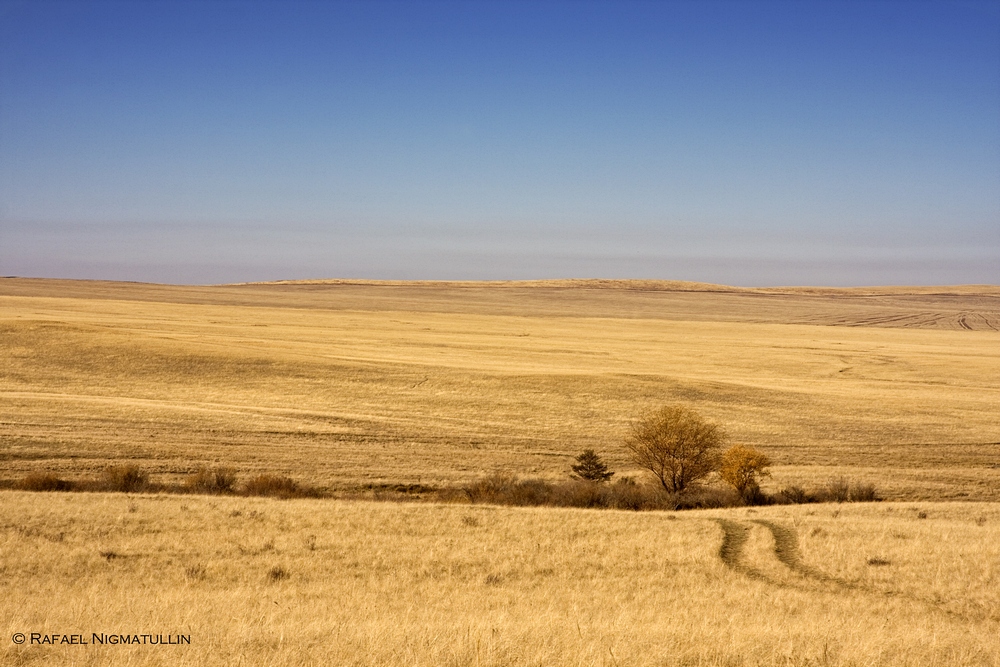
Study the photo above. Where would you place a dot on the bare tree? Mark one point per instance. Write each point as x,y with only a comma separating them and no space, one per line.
677,445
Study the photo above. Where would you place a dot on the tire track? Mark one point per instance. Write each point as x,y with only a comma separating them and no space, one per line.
734,538
786,550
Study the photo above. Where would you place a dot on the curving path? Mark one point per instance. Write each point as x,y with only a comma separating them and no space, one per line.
786,549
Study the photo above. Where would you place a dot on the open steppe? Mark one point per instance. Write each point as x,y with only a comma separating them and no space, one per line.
346,384
343,384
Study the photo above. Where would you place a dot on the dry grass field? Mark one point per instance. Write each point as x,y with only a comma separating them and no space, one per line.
345,384
328,582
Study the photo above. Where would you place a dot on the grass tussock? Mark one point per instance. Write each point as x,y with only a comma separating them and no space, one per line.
838,490
44,482
216,481
278,486
125,479
864,493
794,495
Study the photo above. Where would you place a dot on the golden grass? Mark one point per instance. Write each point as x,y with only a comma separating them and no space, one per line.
387,584
341,385
348,383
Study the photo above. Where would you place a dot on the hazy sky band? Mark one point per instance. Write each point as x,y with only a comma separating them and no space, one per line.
751,143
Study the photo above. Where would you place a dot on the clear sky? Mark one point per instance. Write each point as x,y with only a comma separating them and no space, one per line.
748,143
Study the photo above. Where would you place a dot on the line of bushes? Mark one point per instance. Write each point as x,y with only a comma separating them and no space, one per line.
495,489
505,489
132,479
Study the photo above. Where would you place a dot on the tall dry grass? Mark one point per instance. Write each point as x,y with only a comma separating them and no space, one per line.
301,582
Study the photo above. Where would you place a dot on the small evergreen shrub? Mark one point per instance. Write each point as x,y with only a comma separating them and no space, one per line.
591,468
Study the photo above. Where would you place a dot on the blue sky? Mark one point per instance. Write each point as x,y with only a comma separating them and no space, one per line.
749,143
